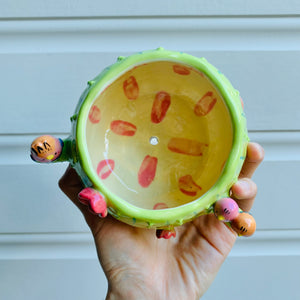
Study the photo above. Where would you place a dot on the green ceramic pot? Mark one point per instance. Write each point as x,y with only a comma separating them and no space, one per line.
157,138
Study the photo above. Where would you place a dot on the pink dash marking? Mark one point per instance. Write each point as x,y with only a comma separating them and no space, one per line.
205,104
242,102
147,171
181,70
123,128
105,168
223,165
186,146
188,186
95,114
160,106
160,205
131,88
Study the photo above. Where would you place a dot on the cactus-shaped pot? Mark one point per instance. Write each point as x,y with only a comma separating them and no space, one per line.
157,138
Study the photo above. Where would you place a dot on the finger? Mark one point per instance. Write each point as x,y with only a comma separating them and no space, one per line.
244,192
70,183
255,155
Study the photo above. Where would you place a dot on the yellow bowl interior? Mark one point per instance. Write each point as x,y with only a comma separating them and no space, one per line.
159,135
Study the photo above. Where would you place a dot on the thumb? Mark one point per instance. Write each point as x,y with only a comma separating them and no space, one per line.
71,185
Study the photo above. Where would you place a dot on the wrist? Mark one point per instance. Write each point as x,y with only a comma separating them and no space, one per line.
133,290
129,293
129,283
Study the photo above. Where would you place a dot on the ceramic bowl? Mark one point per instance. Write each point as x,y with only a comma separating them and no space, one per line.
160,136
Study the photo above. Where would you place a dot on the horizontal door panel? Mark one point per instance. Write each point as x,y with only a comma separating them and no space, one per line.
40,91
274,277
117,8
32,201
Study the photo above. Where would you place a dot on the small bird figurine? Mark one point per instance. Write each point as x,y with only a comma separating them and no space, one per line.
244,224
226,209
46,149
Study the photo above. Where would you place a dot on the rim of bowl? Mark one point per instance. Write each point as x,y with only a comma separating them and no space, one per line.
232,101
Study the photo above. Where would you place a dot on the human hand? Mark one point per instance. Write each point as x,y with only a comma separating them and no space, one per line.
140,266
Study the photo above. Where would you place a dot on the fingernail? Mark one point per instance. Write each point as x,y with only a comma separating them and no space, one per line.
257,153
243,188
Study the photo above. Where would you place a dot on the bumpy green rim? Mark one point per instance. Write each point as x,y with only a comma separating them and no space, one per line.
178,215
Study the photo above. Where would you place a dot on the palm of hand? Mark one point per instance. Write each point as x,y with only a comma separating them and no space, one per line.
178,268
139,266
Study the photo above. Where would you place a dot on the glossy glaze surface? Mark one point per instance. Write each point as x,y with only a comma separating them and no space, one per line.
159,133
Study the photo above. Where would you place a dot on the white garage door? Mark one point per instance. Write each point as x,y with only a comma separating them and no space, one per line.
48,51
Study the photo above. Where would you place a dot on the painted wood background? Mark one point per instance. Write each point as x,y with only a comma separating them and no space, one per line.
50,49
